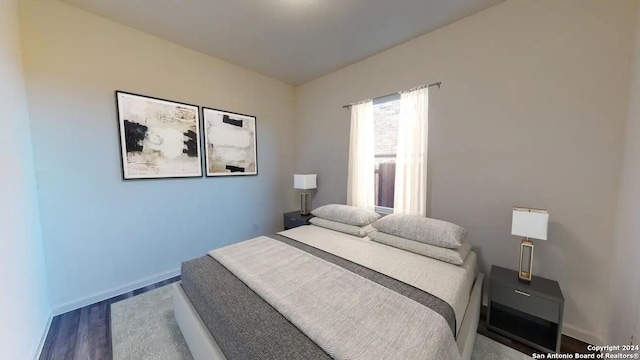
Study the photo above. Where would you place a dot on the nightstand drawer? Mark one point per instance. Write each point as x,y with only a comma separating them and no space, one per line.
525,302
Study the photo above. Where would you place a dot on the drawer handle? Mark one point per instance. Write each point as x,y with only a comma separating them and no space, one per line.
522,293
293,219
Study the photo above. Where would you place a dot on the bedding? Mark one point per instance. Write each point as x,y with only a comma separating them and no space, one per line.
419,228
348,316
446,281
245,326
359,231
452,256
346,214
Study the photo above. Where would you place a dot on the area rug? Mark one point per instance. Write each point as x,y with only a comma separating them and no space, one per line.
487,349
143,328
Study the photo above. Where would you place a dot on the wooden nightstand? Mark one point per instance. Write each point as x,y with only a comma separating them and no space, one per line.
295,219
529,313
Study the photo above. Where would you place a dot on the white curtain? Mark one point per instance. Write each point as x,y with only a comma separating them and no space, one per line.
411,163
360,188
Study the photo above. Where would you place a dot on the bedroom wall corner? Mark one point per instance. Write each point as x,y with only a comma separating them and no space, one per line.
303,164
102,234
623,319
25,312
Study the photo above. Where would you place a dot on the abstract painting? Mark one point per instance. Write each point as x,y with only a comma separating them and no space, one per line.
230,143
158,138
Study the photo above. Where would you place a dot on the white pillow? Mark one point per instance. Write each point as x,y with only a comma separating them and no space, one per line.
359,231
452,256
422,229
346,214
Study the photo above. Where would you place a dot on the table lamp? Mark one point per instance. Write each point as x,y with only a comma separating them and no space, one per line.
304,182
530,223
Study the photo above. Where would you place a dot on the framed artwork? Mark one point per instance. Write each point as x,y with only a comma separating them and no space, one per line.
158,138
230,143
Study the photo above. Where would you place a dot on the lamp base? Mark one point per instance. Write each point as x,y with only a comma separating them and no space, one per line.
525,270
528,282
305,203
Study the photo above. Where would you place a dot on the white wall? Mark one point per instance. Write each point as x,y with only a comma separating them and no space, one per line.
531,112
625,280
103,235
24,305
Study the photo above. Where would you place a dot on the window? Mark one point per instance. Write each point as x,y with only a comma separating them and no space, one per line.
388,171
386,112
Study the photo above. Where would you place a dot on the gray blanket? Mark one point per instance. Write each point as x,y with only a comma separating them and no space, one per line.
347,315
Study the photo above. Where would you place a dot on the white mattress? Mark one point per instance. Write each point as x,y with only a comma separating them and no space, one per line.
451,283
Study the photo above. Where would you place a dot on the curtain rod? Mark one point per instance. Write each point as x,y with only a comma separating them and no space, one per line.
399,92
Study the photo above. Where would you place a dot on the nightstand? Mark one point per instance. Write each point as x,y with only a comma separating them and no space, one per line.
295,219
528,313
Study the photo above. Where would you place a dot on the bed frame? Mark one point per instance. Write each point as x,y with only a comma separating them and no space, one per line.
204,347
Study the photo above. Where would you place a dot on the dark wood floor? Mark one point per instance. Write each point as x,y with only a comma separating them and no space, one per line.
85,334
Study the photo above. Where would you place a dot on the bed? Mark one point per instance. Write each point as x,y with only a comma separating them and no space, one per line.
268,297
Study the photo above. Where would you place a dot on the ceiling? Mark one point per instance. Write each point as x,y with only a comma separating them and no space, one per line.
291,40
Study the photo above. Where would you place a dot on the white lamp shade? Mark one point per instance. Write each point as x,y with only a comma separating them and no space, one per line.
304,181
530,223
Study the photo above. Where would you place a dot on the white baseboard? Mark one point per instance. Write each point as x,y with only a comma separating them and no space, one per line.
47,326
92,299
581,334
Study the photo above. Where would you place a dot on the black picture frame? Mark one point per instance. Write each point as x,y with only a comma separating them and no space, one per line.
230,141
159,138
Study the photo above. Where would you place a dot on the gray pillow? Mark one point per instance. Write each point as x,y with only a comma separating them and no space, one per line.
359,231
346,214
422,229
452,256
